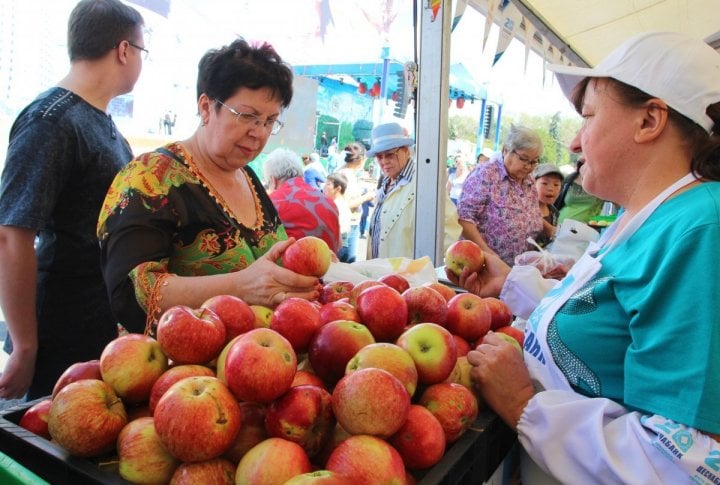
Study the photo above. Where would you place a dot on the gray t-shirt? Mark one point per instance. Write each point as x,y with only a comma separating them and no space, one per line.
62,157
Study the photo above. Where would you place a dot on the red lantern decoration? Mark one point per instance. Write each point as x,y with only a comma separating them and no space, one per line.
362,88
375,91
395,96
460,102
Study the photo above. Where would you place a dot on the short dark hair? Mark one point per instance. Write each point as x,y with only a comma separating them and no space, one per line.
221,72
97,26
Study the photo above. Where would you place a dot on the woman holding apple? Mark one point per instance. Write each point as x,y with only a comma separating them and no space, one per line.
619,382
189,220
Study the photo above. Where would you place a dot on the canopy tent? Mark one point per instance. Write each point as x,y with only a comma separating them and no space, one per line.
583,32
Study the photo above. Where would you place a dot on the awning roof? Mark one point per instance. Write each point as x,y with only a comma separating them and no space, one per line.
587,30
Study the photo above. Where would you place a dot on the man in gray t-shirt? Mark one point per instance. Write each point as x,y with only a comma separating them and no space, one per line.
63,154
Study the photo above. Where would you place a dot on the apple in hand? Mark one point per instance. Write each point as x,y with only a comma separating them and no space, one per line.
468,316
297,320
370,401
383,311
441,288
396,281
80,370
35,418
189,336
433,349
364,459
338,310
309,256
333,346
304,415
420,440
425,305
389,357
273,461
217,471
86,418
454,405
197,419
336,290
464,254
171,376
237,315
142,458
131,364
260,366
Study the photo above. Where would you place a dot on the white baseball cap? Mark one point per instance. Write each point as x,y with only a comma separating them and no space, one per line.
681,70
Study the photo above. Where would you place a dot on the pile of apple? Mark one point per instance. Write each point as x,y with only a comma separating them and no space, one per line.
367,385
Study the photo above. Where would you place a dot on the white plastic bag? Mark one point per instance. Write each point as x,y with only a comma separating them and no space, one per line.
549,265
416,271
572,238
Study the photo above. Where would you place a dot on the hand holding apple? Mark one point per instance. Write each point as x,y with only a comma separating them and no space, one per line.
464,254
309,256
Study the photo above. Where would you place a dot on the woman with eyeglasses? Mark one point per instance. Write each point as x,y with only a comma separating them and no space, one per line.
190,220
498,207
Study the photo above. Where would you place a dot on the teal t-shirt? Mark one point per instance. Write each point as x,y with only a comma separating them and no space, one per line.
645,331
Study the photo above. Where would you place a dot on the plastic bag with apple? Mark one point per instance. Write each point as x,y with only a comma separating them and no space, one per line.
416,271
549,265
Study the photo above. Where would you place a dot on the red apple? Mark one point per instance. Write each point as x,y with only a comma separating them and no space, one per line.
318,477
432,348
468,316
217,471
131,364
338,310
383,311
79,370
86,418
370,401
237,315
500,313
35,418
335,290
309,256
260,366
251,432
272,462
366,459
333,346
305,377
425,305
142,458
171,376
360,287
304,415
189,336
441,288
396,281
454,405
297,320
421,439
389,357
263,315
464,254
462,345
197,419
513,332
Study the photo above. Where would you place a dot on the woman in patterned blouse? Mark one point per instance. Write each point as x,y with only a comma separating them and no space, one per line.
190,220
498,207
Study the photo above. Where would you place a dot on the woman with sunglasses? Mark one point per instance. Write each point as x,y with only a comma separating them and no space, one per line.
190,220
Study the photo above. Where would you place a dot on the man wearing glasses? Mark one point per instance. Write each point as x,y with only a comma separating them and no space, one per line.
392,228
498,207
63,154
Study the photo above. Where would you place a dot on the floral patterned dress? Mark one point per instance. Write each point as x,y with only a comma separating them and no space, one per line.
162,217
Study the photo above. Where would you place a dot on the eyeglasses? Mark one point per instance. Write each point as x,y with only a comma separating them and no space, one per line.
526,160
146,53
386,155
271,126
